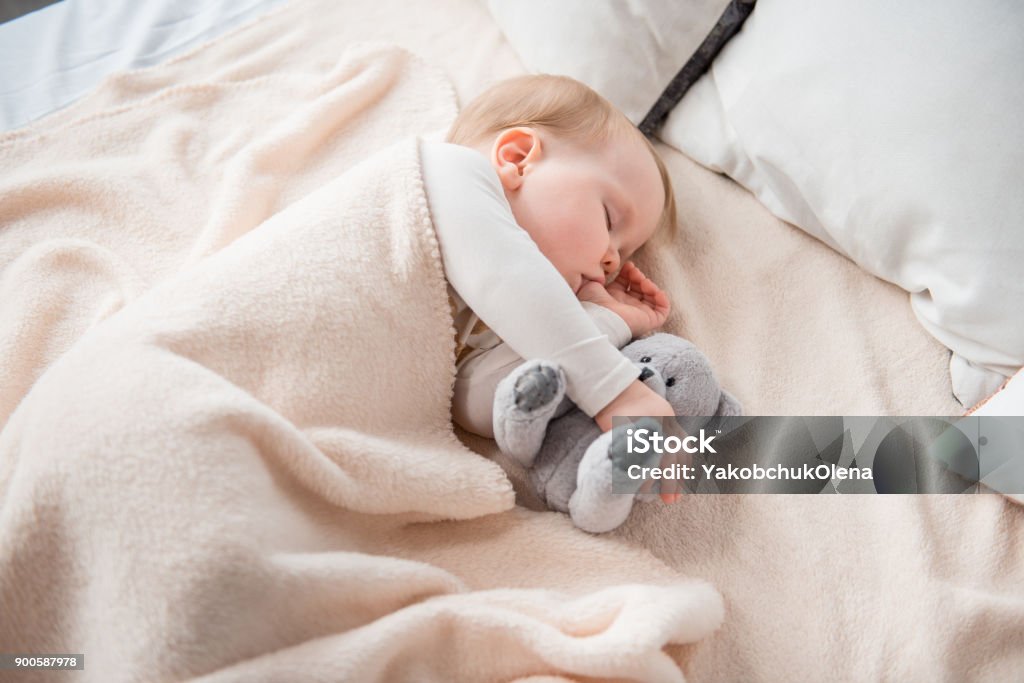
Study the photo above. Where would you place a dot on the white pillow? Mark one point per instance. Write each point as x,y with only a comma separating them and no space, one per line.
627,51
893,132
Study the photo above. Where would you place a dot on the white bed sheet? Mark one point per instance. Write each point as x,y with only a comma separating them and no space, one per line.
51,57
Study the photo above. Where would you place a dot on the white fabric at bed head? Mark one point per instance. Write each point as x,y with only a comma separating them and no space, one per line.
51,57
892,133
627,51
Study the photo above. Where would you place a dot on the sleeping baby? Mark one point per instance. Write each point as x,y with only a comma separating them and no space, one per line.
540,196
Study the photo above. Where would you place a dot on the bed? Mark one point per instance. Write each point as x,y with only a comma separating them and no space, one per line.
459,574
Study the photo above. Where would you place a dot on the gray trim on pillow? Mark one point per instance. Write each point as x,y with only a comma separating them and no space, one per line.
12,9
728,25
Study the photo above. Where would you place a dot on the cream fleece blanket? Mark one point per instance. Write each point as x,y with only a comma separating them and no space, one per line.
225,448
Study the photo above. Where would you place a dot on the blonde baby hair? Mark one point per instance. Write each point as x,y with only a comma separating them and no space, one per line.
558,104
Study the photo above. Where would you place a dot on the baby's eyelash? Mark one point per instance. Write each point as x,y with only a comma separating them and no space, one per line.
607,218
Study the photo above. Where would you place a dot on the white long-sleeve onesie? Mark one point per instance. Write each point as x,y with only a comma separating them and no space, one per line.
498,275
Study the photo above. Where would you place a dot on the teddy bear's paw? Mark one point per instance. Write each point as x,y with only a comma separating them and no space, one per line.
595,506
524,403
540,387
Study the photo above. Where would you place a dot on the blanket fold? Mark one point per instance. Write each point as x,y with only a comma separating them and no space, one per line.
226,449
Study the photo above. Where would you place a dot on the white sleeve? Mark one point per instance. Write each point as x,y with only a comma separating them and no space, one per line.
609,324
499,272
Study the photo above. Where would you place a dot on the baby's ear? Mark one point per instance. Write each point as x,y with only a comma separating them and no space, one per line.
514,150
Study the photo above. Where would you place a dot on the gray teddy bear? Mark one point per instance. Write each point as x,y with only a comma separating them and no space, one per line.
567,456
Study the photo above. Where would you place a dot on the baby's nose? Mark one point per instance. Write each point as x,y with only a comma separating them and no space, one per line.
610,261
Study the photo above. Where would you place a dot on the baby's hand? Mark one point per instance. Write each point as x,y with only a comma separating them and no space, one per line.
633,296
639,400
670,490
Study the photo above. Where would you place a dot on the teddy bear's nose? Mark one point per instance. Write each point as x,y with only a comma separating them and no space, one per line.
646,373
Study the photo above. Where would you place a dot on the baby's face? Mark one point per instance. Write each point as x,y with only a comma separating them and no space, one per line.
588,207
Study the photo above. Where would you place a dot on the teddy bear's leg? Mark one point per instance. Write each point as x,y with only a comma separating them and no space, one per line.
593,507
596,505
524,403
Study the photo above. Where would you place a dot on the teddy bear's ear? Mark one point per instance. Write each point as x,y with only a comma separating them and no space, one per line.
728,405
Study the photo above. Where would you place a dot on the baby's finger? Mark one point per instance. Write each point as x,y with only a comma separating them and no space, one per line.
658,299
628,276
636,294
637,276
649,286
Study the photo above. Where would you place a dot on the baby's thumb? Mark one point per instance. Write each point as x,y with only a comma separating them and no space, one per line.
593,292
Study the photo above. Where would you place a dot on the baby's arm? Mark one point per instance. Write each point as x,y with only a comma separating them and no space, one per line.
480,373
504,278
